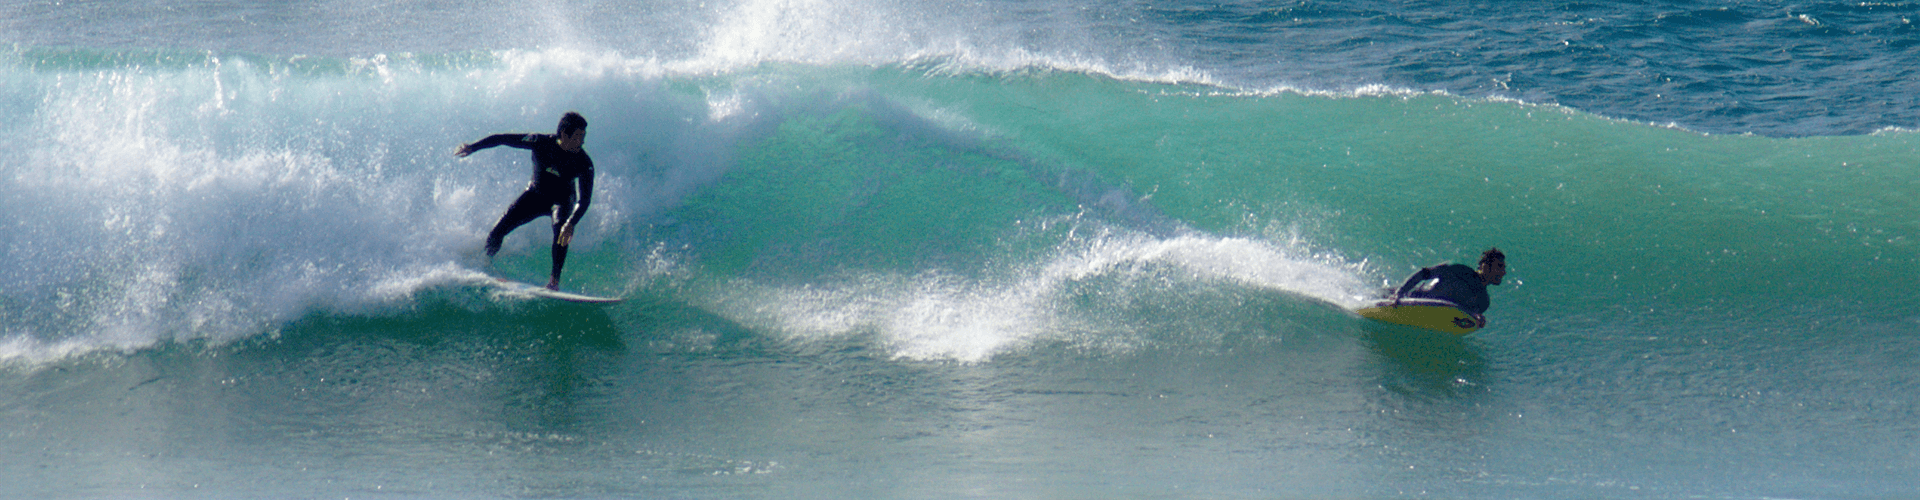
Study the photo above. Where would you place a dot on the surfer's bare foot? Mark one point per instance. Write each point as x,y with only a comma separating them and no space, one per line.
554,284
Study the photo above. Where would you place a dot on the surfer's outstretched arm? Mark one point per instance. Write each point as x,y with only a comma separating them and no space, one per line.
522,141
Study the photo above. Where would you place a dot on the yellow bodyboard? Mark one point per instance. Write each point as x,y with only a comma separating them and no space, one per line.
1432,314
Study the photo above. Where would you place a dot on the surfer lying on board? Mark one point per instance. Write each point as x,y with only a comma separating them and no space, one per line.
558,163
1458,283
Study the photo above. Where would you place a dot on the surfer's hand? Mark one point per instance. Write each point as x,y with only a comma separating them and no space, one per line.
566,236
463,151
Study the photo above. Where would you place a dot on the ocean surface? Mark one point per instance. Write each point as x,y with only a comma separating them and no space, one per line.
996,249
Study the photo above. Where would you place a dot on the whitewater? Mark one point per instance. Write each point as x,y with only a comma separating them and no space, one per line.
1008,249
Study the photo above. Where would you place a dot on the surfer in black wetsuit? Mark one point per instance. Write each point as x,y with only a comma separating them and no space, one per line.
1458,283
558,164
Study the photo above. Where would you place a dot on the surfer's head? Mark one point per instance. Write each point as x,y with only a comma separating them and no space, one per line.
1493,266
572,131
570,122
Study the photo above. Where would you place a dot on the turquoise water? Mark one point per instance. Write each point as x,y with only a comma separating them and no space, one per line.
234,274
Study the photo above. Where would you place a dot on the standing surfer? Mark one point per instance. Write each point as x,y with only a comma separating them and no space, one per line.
558,164
1457,283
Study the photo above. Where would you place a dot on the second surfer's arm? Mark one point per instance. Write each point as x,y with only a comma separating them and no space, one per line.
1423,274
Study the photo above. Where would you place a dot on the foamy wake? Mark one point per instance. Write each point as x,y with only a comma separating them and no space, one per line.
942,316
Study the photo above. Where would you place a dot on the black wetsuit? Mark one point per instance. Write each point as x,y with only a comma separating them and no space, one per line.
1458,284
551,193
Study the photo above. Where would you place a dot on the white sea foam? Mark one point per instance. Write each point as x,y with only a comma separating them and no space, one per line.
216,198
947,316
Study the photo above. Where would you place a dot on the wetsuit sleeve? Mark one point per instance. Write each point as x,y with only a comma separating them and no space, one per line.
1425,273
522,141
585,193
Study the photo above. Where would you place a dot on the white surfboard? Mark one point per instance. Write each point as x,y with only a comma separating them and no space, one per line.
530,290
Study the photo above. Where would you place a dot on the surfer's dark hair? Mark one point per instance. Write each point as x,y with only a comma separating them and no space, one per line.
1492,255
570,122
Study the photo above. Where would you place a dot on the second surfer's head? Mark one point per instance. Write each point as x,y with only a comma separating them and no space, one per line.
1493,266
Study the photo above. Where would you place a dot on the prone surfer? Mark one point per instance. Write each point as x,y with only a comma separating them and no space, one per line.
559,163
1464,286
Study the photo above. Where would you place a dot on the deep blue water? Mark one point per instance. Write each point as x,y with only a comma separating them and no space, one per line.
1768,68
